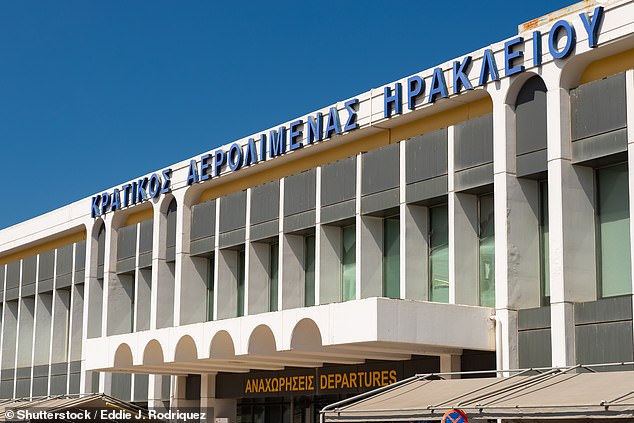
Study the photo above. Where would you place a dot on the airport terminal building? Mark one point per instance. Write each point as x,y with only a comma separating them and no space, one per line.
473,216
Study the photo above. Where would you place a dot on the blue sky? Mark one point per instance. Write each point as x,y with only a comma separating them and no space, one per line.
94,93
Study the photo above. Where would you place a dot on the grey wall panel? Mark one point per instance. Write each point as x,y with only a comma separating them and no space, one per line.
233,208
12,293
13,274
170,254
145,260
39,371
425,190
2,267
265,202
601,145
120,387
80,255
598,107
46,265
58,384
604,310
75,366
22,388
126,243
29,266
299,192
265,230
531,117
59,368
140,387
426,156
231,239
339,211
604,342
80,276
203,220
339,181
380,201
28,290
125,265
531,163
171,224
45,286
74,383
146,234
22,372
202,246
300,221
380,169
474,177
533,318
64,262
40,386
6,388
473,142
64,280
534,347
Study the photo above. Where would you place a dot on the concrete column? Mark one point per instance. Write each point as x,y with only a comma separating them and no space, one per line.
370,265
258,272
167,303
572,237
227,283
109,262
450,363
318,235
629,92
191,272
247,256
292,272
155,390
402,221
463,249
215,407
415,251
330,263
91,293
358,233
516,205
178,393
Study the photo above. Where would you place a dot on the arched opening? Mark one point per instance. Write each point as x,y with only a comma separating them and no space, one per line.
186,350
306,336
153,353
222,346
123,357
262,341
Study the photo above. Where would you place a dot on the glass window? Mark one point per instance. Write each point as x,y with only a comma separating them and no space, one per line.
544,259
614,262
391,265
273,281
210,289
309,269
348,263
439,254
487,252
240,283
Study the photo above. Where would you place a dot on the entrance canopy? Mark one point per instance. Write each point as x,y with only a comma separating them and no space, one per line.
570,393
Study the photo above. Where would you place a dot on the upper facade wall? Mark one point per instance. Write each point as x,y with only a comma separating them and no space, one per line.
361,123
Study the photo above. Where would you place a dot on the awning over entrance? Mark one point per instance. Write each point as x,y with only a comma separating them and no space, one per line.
554,394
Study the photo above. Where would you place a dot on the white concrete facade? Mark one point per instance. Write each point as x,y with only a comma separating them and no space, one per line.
153,318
